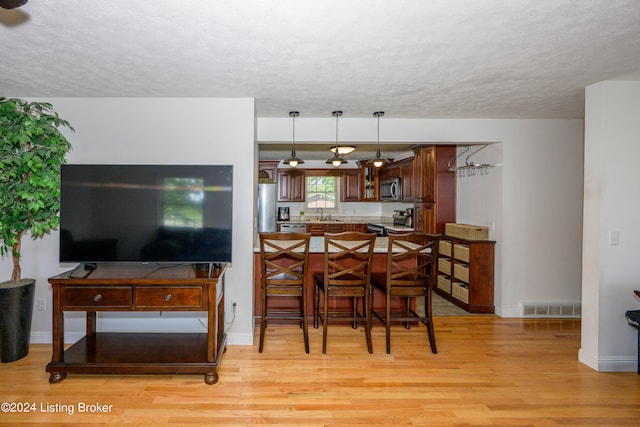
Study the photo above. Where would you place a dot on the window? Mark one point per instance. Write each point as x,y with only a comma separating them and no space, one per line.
183,202
322,192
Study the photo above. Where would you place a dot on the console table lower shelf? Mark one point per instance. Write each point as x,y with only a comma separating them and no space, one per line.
138,353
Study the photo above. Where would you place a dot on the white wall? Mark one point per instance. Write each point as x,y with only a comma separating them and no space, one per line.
157,131
611,272
534,199
536,205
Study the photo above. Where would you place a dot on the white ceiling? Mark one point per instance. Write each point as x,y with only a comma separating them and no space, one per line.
414,59
411,59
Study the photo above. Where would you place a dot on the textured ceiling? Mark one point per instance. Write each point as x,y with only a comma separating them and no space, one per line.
413,59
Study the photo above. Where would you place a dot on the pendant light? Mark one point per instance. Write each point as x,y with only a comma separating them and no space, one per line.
378,161
336,160
293,161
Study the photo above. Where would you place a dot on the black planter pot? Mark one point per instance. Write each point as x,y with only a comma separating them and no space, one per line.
16,307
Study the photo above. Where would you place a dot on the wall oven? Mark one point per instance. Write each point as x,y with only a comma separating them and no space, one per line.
391,189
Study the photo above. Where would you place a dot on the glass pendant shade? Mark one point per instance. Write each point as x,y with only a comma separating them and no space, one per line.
343,149
336,160
293,161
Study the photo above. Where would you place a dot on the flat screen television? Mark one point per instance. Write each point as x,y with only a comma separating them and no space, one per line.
146,213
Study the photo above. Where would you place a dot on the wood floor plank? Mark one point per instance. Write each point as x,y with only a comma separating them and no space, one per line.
488,372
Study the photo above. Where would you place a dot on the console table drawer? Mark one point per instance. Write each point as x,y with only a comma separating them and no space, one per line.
83,297
170,297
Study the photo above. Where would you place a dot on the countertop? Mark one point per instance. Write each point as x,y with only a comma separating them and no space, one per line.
316,245
383,222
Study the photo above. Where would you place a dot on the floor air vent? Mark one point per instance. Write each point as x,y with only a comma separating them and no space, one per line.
551,310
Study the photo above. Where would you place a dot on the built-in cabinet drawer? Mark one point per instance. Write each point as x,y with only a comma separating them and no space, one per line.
170,297
99,297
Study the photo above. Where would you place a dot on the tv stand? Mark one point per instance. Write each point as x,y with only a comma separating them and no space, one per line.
117,287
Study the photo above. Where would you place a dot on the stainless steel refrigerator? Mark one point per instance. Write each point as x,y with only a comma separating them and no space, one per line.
267,194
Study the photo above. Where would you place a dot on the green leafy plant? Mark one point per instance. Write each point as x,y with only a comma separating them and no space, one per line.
32,150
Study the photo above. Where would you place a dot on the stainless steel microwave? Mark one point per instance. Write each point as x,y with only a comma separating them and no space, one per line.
391,189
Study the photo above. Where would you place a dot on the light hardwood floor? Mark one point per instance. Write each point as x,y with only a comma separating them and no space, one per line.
489,371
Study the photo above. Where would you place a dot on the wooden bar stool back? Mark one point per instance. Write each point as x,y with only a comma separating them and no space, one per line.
411,273
347,274
284,260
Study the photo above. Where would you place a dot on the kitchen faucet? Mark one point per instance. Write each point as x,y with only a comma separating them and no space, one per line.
320,210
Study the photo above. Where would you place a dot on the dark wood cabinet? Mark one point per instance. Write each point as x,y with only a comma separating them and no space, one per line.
389,171
362,228
267,171
318,229
434,188
315,229
406,175
424,217
116,287
351,191
370,187
291,186
465,273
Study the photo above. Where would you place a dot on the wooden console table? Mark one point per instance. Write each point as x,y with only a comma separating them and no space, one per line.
117,287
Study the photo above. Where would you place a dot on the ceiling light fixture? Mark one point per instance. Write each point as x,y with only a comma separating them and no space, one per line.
343,149
336,160
293,161
11,4
378,161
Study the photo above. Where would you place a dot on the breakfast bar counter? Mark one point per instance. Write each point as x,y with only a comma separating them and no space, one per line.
316,263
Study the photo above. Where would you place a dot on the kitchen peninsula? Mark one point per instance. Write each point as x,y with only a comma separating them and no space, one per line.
316,263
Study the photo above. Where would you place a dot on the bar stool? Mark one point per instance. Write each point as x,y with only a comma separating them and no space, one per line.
347,274
410,273
284,260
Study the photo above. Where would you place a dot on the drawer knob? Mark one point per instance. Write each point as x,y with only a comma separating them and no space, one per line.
97,297
168,297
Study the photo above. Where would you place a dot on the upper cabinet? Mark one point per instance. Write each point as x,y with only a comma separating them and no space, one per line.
406,174
350,186
291,186
402,169
268,170
370,186
434,187
424,174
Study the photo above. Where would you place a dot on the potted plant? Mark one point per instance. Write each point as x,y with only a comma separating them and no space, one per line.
32,150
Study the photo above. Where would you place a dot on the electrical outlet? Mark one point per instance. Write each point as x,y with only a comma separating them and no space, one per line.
234,306
42,304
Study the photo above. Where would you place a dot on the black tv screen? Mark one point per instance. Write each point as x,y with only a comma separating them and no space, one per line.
146,213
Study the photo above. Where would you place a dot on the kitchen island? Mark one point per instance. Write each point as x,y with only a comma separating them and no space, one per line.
316,263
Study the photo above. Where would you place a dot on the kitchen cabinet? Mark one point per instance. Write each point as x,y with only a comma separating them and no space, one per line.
465,273
389,171
361,228
424,217
318,229
351,191
267,171
370,188
402,169
406,175
291,186
434,188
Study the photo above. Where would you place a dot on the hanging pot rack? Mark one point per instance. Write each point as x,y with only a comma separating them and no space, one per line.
469,168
